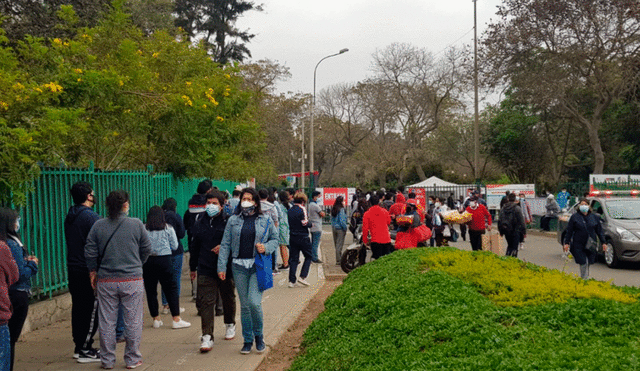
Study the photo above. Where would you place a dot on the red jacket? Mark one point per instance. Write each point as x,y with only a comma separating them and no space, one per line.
8,276
376,221
478,219
398,208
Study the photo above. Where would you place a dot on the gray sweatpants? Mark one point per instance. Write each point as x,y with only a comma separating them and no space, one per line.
338,241
111,294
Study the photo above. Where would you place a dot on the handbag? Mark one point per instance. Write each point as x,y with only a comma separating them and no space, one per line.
263,262
591,245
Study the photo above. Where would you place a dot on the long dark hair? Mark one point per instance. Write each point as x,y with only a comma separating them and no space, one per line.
115,200
8,218
284,199
155,219
337,205
256,199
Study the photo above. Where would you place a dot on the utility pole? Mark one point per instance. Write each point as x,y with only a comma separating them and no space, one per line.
476,124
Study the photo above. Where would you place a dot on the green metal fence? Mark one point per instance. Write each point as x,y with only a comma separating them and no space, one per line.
42,225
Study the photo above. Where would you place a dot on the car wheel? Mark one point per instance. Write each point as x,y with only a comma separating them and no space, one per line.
349,260
610,256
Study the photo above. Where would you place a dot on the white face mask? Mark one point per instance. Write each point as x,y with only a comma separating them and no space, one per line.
438,204
247,204
17,225
212,210
473,204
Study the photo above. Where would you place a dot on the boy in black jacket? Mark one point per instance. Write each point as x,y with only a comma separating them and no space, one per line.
205,244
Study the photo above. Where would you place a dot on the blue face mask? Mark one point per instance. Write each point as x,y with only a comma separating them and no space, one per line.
584,209
212,210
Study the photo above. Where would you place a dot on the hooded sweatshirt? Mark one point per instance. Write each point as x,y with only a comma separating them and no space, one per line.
376,222
207,234
512,207
8,276
195,211
398,208
270,209
77,225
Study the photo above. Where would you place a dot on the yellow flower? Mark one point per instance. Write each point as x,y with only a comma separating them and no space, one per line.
219,118
115,133
18,86
120,82
77,70
4,105
66,43
57,41
204,106
53,87
155,55
188,83
139,52
38,90
227,76
79,79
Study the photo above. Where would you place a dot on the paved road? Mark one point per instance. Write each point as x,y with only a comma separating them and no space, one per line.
543,249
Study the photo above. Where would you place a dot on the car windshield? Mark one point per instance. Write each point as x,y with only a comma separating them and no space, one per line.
624,209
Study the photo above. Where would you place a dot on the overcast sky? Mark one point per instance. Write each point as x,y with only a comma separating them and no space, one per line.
298,33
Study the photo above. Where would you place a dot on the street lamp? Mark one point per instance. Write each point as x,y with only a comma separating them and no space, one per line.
313,106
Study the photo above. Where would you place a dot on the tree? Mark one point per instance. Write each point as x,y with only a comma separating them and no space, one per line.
213,22
578,55
423,90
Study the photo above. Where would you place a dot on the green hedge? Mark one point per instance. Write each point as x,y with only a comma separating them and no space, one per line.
395,314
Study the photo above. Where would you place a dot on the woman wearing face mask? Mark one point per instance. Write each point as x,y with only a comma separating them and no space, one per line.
19,292
159,268
299,225
205,246
115,251
247,233
480,221
436,221
582,226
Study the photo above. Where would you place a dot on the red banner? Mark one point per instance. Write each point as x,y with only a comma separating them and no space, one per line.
421,197
330,194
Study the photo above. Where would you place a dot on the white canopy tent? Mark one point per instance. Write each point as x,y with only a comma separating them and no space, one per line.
431,182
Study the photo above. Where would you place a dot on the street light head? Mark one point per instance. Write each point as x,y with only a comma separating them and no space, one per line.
344,50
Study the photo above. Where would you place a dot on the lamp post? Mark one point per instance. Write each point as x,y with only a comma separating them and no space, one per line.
313,106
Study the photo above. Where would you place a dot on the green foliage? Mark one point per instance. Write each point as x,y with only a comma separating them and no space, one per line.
391,314
119,98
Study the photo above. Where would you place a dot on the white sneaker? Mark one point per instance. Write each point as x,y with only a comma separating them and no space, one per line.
292,284
182,310
180,324
157,323
303,281
230,333
165,310
207,344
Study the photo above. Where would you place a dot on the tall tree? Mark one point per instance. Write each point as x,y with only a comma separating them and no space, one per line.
213,22
577,54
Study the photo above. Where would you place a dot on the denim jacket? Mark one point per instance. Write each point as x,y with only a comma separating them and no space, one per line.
26,267
230,245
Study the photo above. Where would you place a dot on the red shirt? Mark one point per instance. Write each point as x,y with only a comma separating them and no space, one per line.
376,221
480,214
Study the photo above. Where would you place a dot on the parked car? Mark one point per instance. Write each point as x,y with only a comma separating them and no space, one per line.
620,218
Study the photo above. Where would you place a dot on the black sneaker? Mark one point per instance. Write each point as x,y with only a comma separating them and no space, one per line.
282,267
260,345
89,356
317,261
246,348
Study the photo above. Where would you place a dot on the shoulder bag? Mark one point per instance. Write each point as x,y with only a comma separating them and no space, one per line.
264,272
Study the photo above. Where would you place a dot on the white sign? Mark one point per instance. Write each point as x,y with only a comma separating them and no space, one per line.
495,192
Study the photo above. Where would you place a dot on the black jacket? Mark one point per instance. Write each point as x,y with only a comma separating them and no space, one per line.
206,234
195,211
299,222
77,225
580,227
175,221
517,218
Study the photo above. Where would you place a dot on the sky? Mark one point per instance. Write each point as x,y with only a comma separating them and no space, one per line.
298,33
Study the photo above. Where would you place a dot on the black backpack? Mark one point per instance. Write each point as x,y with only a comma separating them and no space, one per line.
507,221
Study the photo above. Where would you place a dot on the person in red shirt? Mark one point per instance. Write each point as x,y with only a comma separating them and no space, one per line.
480,218
375,223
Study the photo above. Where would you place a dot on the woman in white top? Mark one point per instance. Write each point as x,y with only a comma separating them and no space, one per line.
159,268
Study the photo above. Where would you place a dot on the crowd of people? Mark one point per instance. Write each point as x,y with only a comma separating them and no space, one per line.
112,262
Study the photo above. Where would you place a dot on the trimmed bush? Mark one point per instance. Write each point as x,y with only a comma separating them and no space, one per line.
404,312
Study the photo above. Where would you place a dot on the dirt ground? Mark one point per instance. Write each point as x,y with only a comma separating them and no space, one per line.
284,352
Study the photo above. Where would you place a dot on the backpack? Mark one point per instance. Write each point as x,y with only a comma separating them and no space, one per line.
507,221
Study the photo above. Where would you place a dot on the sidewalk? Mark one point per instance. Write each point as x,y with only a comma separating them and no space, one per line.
51,348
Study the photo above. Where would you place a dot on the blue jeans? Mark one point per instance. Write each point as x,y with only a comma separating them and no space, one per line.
5,348
250,301
315,243
176,262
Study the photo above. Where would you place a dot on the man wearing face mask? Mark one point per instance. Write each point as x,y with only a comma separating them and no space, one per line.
84,306
207,236
480,221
